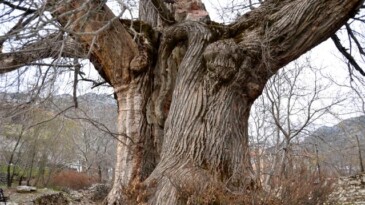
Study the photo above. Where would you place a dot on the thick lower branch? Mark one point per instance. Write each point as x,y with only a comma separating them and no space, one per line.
281,31
52,46
95,25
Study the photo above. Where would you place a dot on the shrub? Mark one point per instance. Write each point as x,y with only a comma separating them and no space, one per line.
72,180
305,191
302,187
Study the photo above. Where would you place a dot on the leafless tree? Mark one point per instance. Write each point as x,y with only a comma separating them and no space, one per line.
96,151
289,107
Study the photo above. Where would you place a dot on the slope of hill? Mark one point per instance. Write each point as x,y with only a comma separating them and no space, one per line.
339,146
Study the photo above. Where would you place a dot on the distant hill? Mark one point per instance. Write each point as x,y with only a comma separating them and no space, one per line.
338,146
98,106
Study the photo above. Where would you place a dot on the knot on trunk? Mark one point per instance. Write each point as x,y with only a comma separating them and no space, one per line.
254,90
139,63
222,60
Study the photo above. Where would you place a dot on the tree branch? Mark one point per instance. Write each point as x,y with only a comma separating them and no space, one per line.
17,28
283,30
347,55
86,21
18,7
76,80
49,47
354,38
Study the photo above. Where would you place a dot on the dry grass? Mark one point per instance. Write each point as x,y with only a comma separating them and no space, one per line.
72,180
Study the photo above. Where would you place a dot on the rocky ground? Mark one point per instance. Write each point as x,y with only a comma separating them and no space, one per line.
92,196
349,191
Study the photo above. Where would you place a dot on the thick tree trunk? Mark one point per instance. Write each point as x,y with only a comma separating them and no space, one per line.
362,169
136,157
9,175
205,146
211,84
184,103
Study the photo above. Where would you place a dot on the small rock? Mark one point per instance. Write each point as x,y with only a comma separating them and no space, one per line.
52,199
26,189
75,195
99,191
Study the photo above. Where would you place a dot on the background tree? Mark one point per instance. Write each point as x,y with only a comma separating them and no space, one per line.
33,144
52,141
294,107
95,148
339,152
294,102
184,85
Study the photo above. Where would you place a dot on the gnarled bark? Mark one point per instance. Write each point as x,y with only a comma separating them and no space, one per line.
205,144
184,101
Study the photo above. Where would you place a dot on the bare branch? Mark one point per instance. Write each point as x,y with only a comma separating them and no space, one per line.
17,28
18,7
354,38
48,47
347,55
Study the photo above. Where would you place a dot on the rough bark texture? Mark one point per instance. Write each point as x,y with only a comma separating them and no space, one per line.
185,87
205,144
136,156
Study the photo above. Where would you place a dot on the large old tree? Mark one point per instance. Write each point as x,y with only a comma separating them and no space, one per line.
184,85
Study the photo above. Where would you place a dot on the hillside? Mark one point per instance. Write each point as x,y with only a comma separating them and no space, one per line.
338,146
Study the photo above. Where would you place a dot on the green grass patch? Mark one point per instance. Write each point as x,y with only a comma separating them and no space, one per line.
22,171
